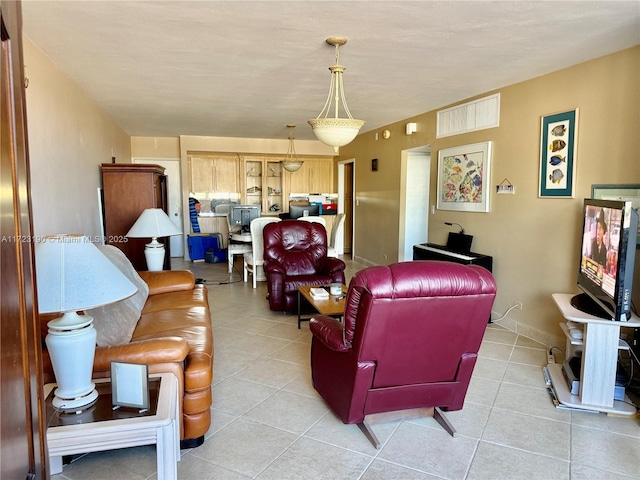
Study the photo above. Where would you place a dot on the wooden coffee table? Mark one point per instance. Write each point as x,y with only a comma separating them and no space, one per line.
332,306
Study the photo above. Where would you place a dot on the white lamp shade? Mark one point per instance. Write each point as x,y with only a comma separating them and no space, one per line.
153,223
291,166
336,132
72,274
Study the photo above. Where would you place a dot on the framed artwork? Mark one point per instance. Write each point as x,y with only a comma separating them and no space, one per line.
130,385
463,178
558,155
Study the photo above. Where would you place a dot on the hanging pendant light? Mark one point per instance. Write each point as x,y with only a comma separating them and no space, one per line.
335,131
291,163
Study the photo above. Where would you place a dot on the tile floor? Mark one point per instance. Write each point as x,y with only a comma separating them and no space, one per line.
268,422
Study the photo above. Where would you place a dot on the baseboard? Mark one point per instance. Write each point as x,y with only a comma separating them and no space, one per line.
545,338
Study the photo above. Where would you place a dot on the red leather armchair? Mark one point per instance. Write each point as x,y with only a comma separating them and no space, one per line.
295,254
409,339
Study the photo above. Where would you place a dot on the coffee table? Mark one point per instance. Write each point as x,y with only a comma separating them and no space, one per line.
332,306
101,428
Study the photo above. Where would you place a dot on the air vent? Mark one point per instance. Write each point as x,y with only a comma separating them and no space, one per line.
468,117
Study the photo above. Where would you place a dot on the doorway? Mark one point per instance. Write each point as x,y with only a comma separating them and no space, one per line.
346,200
414,200
172,171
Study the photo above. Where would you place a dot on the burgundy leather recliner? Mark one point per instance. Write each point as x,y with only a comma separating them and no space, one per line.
295,254
409,339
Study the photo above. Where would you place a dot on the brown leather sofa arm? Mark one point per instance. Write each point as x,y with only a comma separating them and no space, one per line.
167,281
330,332
151,351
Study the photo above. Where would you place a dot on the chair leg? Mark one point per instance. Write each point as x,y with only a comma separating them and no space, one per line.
244,268
253,275
394,416
368,432
438,416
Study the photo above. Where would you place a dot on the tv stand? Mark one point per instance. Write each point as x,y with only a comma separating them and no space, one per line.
588,305
600,344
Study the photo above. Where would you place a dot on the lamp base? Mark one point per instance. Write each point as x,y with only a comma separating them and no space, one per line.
71,343
75,404
154,255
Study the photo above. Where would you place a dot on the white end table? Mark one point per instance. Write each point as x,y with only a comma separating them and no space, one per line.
90,431
599,362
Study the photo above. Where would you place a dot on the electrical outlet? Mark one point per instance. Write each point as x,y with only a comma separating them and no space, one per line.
518,304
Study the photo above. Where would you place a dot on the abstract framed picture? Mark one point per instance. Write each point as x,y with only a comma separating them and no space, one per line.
463,178
558,154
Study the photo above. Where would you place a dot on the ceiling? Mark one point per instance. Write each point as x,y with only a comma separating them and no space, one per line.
248,68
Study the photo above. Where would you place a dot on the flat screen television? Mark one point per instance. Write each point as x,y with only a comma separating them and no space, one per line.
297,211
607,257
243,214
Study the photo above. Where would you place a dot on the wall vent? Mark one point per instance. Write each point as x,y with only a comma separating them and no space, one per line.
468,117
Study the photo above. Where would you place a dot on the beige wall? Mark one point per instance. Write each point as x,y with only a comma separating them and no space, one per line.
534,241
69,137
155,147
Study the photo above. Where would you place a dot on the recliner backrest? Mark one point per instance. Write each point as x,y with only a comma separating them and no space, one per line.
298,246
416,320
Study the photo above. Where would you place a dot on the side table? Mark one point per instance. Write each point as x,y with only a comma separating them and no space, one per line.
599,361
100,428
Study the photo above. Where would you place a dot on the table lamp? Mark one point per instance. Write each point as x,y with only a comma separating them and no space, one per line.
72,275
153,223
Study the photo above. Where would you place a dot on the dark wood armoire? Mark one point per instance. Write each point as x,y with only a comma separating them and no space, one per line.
128,189
22,432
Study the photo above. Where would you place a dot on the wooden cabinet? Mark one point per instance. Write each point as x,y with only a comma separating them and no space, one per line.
263,184
315,176
128,189
212,173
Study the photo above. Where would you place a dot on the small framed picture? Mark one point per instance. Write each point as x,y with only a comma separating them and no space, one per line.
130,385
558,155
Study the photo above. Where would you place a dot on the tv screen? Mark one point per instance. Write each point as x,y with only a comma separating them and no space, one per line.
297,211
607,258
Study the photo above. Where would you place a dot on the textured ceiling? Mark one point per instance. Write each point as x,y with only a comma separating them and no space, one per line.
246,68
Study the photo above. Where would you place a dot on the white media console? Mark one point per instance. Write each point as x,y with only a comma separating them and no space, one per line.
600,344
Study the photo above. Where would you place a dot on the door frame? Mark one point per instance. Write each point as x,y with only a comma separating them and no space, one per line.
341,188
177,243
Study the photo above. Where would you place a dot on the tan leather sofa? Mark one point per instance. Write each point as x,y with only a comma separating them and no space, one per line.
173,334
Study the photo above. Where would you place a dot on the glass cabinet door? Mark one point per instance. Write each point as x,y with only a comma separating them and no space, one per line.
273,188
253,183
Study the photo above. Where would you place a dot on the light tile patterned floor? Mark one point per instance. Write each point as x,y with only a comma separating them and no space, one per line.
268,422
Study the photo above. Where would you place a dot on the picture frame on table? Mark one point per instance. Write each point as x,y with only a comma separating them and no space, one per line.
558,155
130,385
464,175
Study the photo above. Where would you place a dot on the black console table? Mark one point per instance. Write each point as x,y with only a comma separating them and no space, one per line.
431,251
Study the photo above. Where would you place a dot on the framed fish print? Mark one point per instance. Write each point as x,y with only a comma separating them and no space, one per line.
463,178
558,155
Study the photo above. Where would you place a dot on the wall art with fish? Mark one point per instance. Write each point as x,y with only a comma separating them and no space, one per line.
463,178
558,154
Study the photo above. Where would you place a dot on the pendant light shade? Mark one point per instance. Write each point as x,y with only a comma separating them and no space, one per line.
291,162
333,130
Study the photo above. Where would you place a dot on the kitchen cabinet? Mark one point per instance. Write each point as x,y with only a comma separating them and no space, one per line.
263,184
315,176
214,173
